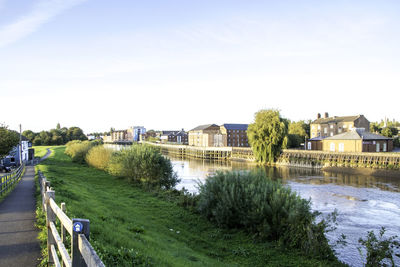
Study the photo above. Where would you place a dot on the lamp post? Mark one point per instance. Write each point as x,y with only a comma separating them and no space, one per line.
20,144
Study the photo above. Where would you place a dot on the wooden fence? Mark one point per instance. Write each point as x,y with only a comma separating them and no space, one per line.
82,252
8,180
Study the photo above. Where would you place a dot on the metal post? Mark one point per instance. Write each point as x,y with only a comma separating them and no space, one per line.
79,226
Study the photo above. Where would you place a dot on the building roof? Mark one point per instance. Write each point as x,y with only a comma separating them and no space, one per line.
203,127
235,126
358,134
336,119
318,138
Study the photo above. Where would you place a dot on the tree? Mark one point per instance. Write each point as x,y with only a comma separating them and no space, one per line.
8,139
297,133
29,134
389,131
267,135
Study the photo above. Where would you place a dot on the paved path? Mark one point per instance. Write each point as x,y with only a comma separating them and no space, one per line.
19,245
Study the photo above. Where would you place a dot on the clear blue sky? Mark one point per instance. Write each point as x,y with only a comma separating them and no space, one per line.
166,64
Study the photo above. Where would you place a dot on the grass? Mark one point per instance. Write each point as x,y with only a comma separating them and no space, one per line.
132,226
40,151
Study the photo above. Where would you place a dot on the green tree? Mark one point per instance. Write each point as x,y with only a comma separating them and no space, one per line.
8,139
297,133
389,131
29,134
267,135
374,127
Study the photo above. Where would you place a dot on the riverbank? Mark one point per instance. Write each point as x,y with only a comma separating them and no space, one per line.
364,171
133,226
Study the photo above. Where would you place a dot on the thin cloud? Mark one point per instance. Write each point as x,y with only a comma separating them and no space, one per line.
42,12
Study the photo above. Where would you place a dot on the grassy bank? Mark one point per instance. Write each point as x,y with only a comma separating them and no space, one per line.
131,226
40,151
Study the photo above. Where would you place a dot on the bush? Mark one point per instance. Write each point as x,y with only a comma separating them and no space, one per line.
99,157
379,248
251,201
77,150
144,164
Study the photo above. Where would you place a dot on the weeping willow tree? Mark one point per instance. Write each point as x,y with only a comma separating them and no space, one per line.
267,135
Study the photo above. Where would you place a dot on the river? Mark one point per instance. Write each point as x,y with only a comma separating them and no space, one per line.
364,203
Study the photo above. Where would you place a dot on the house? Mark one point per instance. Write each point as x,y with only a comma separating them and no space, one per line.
235,135
315,143
357,140
208,135
25,149
178,137
330,126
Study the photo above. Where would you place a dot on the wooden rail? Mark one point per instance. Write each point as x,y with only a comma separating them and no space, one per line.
7,181
82,252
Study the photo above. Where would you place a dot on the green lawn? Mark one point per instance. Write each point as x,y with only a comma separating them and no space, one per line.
40,151
130,226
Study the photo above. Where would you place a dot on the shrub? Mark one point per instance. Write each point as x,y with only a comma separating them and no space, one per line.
99,157
145,164
77,150
251,201
379,248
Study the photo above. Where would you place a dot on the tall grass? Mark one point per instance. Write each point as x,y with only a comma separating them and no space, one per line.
99,157
251,201
77,149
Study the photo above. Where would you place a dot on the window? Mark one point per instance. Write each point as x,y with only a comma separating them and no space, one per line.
341,147
309,145
331,133
384,147
319,127
331,126
325,130
377,147
344,126
332,147
313,127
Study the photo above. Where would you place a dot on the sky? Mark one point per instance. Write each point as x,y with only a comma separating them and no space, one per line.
172,64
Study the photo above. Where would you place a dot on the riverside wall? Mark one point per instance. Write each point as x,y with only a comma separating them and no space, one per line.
290,157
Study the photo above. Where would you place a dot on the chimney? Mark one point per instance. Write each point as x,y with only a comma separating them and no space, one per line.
319,116
326,115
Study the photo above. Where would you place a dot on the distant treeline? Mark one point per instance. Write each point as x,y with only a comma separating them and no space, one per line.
57,136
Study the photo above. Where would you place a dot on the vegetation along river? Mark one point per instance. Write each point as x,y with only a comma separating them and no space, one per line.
364,203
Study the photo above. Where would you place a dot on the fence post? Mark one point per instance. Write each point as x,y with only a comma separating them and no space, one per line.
51,217
79,226
63,230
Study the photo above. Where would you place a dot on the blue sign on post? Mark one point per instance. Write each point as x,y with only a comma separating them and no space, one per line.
78,227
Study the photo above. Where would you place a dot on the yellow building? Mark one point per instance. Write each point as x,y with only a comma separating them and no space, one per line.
357,140
330,126
206,135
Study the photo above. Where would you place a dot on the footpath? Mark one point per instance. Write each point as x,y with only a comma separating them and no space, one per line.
19,245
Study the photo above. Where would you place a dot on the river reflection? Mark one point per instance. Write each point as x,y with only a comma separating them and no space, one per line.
364,203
